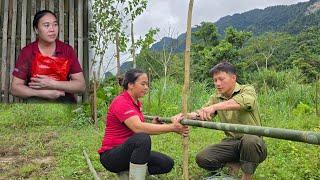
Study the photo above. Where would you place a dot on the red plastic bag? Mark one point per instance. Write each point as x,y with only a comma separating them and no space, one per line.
56,68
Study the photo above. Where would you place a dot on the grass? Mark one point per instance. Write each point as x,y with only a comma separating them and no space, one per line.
46,140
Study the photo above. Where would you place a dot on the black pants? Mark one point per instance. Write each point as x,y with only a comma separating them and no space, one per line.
249,151
137,150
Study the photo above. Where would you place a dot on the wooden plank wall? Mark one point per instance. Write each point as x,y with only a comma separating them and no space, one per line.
16,31
4,65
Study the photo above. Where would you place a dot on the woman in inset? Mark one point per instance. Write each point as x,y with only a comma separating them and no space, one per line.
60,74
126,145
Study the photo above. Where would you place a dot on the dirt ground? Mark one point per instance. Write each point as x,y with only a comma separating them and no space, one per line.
19,159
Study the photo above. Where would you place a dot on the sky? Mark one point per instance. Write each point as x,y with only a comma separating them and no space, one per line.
170,16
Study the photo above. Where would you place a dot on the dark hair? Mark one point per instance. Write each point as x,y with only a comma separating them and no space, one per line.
39,15
130,77
223,66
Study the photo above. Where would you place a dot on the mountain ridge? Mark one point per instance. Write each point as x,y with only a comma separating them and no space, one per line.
280,18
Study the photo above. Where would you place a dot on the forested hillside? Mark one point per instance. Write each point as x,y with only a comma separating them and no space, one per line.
283,18
263,59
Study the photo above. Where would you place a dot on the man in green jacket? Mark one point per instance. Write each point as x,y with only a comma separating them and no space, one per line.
236,104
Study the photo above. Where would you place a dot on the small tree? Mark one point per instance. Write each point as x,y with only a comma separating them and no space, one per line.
134,8
109,25
103,28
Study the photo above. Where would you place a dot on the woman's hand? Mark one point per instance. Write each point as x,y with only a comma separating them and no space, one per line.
41,82
51,94
177,118
178,127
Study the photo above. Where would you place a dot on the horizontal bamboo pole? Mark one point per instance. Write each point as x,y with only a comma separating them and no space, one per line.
278,133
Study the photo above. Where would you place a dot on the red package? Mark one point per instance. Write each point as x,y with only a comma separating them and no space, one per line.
56,68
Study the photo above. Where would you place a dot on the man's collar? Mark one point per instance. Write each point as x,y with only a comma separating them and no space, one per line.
236,89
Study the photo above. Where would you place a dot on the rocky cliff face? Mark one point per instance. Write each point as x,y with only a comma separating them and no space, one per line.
313,8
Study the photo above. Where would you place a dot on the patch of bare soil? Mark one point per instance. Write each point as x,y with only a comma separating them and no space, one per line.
15,165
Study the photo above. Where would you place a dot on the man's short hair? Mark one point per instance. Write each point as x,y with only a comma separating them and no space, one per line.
223,66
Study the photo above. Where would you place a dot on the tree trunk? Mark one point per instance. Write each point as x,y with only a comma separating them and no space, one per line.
185,90
133,47
94,101
118,53
165,78
100,66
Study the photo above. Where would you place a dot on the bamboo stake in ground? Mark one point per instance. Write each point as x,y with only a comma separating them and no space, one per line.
93,171
186,90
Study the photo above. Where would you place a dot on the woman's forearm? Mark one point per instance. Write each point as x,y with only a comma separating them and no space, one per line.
72,86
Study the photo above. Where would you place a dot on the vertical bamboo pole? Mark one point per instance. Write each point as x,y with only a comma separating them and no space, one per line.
80,36
46,4
90,19
85,62
33,12
1,19
61,20
24,24
4,48
185,90
80,31
1,10
13,43
42,5
21,31
51,5
7,79
71,23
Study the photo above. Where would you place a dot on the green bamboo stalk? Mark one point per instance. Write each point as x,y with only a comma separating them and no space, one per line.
278,133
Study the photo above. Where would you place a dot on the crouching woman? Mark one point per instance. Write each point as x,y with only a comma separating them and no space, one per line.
126,145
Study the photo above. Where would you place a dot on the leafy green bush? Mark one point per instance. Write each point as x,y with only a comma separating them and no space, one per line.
302,109
108,89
